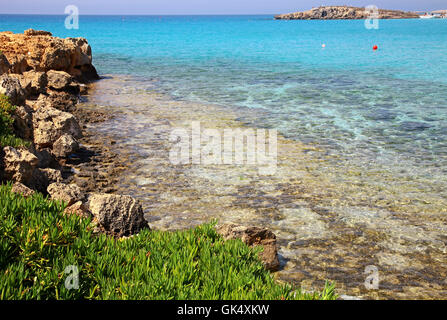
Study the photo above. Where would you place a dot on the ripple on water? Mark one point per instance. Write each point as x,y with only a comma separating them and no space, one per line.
334,214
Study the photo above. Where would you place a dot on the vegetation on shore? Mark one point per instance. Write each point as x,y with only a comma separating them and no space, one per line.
38,241
7,137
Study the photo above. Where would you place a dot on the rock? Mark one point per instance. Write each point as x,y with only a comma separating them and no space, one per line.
59,80
86,73
57,99
62,100
34,83
69,194
42,178
10,86
56,57
64,146
46,159
4,64
117,215
19,188
83,89
50,124
78,209
19,164
254,236
344,12
83,70
23,122
40,51
32,32
83,52
18,64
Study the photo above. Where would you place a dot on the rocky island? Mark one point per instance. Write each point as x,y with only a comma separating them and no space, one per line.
344,13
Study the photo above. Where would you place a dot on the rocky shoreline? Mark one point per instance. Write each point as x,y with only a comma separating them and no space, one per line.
344,13
45,77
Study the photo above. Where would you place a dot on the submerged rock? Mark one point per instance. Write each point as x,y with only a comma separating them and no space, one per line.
254,236
117,215
414,126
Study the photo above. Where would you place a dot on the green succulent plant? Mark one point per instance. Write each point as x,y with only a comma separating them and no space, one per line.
38,241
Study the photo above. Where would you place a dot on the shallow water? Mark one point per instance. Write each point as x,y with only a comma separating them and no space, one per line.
362,167
333,217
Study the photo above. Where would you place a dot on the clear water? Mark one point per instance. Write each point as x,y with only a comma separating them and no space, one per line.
367,187
390,105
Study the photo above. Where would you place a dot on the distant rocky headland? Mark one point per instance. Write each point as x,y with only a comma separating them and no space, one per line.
345,13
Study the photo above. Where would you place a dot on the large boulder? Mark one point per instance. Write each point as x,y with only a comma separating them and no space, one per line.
117,215
19,165
83,69
10,87
254,236
50,124
4,64
40,51
68,193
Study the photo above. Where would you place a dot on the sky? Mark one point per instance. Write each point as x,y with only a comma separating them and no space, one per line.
157,7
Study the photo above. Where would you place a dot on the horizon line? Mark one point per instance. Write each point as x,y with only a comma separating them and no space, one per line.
138,14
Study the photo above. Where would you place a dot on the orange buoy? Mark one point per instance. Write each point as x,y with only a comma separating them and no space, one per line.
375,48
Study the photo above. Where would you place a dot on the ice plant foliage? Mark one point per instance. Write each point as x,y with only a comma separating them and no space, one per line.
38,242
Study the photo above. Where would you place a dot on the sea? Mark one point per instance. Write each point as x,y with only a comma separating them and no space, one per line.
381,113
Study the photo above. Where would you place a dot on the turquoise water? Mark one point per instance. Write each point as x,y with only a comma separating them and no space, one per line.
389,105
373,194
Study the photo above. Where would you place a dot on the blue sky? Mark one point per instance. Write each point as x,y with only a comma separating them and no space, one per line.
122,7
